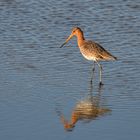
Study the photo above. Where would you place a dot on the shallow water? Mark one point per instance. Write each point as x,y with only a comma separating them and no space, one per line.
41,85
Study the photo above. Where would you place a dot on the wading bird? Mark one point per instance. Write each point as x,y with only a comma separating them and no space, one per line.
90,50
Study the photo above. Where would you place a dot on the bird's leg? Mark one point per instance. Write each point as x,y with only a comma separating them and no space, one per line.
100,68
93,68
92,73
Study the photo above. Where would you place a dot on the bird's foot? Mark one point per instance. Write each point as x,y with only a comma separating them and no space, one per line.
100,84
91,81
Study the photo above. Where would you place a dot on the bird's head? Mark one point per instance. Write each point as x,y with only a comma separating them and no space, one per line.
75,31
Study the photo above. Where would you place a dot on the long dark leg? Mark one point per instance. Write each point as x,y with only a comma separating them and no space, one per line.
92,73
100,70
93,68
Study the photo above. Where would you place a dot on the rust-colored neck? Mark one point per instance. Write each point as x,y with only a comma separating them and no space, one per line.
80,38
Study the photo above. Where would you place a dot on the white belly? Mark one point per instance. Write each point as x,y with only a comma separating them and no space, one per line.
88,57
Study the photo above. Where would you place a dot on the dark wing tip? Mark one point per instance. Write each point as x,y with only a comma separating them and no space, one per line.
115,58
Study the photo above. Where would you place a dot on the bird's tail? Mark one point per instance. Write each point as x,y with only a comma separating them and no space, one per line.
113,58
109,57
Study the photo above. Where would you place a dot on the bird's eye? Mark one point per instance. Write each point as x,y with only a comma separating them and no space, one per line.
74,31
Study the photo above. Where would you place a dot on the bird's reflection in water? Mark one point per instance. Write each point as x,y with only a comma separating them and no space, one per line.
87,109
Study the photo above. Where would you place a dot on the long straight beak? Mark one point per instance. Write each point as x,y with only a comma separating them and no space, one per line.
66,40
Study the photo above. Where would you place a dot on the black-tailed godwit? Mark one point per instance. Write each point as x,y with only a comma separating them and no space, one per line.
90,49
